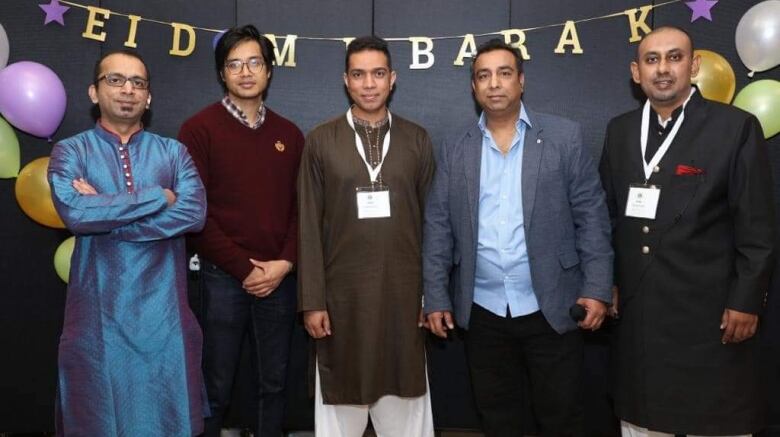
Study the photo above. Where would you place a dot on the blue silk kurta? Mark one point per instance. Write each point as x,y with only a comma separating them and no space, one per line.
129,355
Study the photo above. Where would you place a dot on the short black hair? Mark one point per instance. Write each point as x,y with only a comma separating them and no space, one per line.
497,44
364,43
125,52
235,36
662,29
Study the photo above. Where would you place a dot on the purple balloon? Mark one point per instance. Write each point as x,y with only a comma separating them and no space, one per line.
32,98
216,39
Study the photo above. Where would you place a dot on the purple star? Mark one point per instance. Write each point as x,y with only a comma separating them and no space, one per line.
701,9
54,12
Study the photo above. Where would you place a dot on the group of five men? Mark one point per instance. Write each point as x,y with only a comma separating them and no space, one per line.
506,230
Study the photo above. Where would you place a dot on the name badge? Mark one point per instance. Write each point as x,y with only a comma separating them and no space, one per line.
373,203
643,201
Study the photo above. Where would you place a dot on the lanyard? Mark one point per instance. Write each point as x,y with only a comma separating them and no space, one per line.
373,173
649,166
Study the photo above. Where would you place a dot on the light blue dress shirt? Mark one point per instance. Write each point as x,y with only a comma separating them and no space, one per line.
503,275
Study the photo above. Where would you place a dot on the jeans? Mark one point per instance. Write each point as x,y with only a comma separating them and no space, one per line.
229,313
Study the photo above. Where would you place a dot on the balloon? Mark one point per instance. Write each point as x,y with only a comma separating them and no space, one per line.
62,258
758,36
715,79
216,39
762,99
9,151
4,47
32,98
34,195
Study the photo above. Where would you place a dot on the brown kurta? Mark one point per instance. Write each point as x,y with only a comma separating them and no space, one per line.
366,273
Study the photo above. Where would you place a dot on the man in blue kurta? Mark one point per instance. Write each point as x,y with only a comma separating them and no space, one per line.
129,355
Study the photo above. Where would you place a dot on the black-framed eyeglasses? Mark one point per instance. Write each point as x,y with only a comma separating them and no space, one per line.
254,65
118,80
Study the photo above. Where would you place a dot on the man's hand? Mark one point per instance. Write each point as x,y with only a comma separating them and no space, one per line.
271,274
83,187
317,323
170,196
439,322
255,276
595,310
737,326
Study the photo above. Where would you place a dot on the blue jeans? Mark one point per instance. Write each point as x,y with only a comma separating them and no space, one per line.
228,313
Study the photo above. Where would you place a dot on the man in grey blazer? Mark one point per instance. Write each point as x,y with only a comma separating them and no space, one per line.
516,233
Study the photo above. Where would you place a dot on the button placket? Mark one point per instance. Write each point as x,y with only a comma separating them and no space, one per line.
124,156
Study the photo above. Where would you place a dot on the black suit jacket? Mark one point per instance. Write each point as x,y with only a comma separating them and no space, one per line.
709,248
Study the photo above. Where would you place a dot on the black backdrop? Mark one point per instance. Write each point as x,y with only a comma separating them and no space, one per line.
590,88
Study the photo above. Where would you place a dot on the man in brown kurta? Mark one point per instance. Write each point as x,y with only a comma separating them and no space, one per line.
360,278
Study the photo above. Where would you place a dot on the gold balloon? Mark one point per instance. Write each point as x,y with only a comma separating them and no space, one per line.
715,79
34,195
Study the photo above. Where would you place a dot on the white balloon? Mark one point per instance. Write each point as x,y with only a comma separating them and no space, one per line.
758,36
4,49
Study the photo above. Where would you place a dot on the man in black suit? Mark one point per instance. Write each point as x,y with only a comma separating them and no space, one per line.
689,190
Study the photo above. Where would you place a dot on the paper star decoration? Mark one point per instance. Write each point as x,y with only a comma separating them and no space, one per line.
701,9
54,12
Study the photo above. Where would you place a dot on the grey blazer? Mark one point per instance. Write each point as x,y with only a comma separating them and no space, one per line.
566,222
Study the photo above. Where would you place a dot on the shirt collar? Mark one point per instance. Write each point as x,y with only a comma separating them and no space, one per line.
655,119
670,121
366,123
522,118
111,136
239,115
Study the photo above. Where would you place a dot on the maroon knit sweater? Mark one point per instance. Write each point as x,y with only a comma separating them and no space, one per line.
250,178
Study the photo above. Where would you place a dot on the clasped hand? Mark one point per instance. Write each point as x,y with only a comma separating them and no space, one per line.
265,276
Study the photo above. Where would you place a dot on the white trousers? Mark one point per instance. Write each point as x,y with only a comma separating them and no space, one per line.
392,416
631,430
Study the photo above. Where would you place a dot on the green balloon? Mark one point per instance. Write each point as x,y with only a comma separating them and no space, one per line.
9,151
62,258
762,99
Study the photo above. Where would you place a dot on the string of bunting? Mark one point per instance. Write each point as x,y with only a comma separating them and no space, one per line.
184,36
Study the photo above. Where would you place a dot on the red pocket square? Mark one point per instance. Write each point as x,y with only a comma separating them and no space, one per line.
687,170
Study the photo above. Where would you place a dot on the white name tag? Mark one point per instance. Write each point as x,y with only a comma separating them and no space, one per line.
373,204
642,201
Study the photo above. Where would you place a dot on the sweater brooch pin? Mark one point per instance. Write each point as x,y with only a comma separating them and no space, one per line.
279,146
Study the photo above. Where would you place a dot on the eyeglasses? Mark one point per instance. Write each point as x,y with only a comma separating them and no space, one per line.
253,64
117,80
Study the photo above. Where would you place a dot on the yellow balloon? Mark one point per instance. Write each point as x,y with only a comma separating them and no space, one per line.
34,195
715,79
62,258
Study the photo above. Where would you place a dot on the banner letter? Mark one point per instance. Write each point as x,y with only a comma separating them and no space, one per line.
93,23
347,40
418,52
134,19
517,42
285,57
569,37
638,23
176,49
467,49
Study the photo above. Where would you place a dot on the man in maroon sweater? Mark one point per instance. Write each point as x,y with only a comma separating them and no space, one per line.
247,157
